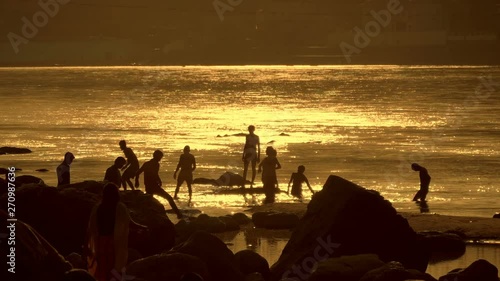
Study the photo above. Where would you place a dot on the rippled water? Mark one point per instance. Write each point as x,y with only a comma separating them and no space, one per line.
364,123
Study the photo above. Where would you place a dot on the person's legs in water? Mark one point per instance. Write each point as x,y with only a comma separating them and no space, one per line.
254,172
179,183
161,192
245,171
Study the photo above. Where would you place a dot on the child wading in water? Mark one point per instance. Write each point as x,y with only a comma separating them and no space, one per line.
268,166
297,179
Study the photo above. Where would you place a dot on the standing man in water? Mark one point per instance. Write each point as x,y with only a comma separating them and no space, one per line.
152,181
130,167
251,153
63,175
425,180
187,164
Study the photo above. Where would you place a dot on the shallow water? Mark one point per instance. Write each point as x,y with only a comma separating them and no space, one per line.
364,123
270,243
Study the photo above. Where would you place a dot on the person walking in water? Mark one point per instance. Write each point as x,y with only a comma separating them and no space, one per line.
268,166
130,167
297,179
187,164
152,181
113,173
63,170
251,153
425,180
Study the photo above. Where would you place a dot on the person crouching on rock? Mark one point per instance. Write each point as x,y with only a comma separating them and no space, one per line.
63,170
106,247
268,167
297,179
113,173
425,180
152,180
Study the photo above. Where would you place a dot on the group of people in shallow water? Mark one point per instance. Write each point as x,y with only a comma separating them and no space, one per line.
106,243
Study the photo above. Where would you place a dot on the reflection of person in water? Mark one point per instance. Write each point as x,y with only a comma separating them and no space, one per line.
187,164
268,166
63,174
425,180
130,167
297,179
251,153
152,181
113,173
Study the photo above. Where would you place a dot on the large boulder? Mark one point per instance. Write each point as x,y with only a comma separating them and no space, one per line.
34,258
62,215
167,267
249,262
219,259
478,270
273,220
13,150
394,271
345,219
347,268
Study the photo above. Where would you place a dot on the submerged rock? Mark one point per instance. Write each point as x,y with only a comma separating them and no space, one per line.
42,170
443,246
273,220
479,270
226,179
345,219
13,150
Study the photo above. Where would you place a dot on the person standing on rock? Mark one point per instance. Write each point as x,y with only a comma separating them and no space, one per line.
106,246
113,173
130,167
425,180
152,181
187,164
251,153
268,166
63,170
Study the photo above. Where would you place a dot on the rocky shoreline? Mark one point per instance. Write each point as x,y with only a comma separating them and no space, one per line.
345,233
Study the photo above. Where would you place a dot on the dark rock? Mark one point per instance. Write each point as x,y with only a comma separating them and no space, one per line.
231,179
242,191
76,261
284,135
170,266
88,186
496,216
254,277
35,258
443,246
13,150
62,217
133,255
249,262
347,268
219,259
78,275
479,270
209,224
230,222
241,218
272,220
26,179
205,181
345,219
395,271
42,170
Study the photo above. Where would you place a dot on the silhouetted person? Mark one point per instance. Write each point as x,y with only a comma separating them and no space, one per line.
187,164
251,153
113,173
130,167
297,179
152,181
268,166
425,180
63,170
